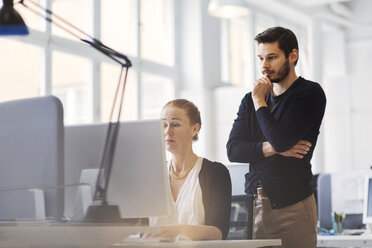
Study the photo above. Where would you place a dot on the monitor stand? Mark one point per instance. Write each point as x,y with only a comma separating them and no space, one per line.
102,212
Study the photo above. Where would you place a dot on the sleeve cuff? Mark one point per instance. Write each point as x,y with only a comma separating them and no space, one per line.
262,109
258,150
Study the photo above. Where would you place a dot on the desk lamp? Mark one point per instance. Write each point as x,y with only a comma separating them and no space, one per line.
11,23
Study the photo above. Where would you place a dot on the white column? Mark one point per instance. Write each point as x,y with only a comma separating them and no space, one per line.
200,68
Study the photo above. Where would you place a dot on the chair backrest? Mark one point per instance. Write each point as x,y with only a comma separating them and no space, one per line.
31,152
241,218
241,204
324,201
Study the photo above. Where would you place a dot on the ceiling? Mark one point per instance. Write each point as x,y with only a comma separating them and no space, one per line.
353,17
315,2
355,11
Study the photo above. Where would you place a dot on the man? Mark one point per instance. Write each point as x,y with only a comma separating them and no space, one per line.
276,131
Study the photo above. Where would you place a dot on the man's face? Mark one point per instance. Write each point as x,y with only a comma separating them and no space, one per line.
273,62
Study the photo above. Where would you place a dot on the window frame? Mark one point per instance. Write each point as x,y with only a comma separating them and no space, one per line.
50,43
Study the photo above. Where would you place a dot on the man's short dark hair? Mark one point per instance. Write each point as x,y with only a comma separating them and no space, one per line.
287,40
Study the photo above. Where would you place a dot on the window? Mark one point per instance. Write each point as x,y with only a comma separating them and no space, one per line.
20,70
155,90
156,30
110,78
71,83
51,61
118,25
75,12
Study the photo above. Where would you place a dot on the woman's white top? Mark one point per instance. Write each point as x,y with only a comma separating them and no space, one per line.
188,207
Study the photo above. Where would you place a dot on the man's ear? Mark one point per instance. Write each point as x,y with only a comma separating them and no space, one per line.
293,56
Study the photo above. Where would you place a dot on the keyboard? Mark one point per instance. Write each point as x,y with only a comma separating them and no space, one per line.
135,238
354,231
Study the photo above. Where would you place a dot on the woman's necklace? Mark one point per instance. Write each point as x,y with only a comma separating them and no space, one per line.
179,177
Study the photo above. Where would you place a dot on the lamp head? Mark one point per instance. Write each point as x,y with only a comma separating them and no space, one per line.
11,22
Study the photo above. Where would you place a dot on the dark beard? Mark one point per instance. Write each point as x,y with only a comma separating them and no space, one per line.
282,74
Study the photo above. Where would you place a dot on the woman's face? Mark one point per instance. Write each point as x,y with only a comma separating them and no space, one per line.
178,131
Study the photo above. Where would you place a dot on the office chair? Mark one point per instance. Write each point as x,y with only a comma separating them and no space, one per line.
241,204
31,156
241,219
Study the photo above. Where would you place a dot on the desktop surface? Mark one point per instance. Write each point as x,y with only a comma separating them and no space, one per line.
362,240
13,234
207,244
36,234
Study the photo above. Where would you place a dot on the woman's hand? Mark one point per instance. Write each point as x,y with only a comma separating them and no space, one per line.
170,231
192,232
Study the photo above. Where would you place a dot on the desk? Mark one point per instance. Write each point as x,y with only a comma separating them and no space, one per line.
345,241
208,244
75,235
64,234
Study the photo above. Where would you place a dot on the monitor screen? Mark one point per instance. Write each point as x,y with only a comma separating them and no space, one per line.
367,210
138,175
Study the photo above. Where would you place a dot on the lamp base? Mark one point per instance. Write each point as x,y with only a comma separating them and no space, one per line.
111,214
103,214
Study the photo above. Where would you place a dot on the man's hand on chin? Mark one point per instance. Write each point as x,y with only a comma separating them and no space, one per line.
261,88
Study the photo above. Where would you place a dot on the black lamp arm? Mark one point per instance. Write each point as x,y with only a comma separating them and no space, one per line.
115,55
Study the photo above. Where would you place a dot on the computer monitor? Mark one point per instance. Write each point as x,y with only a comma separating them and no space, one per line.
138,178
367,209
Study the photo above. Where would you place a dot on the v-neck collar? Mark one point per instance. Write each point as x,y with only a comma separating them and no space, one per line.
185,182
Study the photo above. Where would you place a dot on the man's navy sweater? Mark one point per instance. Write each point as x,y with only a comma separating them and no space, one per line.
286,180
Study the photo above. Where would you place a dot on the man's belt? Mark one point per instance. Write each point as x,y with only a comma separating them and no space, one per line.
261,192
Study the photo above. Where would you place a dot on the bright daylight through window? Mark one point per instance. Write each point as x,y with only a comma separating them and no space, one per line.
59,64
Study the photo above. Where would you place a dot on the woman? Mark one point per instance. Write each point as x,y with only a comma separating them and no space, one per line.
200,190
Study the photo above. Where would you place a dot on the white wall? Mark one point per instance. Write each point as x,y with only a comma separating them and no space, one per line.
347,69
359,65
226,102
336,84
